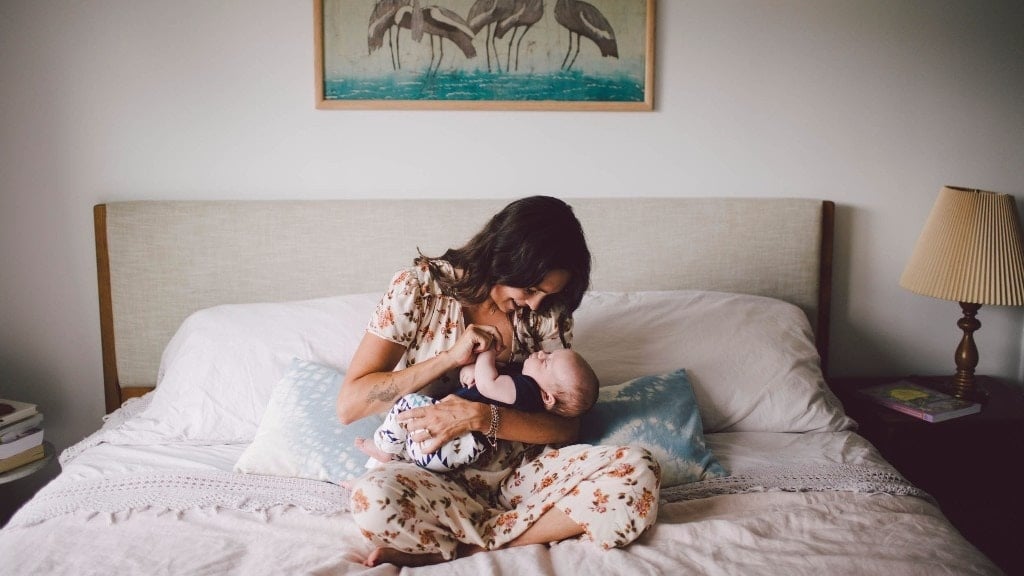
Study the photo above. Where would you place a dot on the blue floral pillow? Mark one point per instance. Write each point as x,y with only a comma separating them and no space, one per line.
300,435
658,413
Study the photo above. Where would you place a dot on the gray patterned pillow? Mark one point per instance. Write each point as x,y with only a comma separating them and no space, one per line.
300,435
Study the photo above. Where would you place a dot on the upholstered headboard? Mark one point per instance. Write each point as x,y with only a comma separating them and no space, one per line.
157,262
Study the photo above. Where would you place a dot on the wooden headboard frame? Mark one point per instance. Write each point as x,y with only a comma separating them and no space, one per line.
157,262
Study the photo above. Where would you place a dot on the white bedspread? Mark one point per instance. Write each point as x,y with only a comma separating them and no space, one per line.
757,533
775,516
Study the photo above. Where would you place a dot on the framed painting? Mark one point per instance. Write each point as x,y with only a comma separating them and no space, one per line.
484,54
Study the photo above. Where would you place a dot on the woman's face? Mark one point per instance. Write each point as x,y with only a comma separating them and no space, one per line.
508,298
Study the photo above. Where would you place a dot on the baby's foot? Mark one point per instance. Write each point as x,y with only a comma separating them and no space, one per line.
371,450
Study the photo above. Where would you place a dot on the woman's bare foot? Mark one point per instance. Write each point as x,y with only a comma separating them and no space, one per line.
399,558
371,450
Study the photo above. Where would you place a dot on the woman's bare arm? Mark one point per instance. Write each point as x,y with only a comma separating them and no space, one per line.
371,385
536,427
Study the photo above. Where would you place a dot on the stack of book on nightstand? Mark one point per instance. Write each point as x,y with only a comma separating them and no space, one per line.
21,434
920,402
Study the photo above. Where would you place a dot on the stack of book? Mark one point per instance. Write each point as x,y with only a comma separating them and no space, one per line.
21,434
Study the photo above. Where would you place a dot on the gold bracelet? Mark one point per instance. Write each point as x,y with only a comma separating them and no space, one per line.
492,432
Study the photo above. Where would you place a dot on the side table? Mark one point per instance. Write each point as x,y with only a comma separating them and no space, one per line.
969,464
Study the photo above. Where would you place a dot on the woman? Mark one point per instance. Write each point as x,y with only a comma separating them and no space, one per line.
513,287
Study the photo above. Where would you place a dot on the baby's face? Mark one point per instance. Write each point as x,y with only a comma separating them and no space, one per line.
545,367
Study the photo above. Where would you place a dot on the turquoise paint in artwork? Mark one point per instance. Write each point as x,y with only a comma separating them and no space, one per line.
480,86
469,51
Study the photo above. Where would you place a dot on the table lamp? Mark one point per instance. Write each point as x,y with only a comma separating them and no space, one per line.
971,252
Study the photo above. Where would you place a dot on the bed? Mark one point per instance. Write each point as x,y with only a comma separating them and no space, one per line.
226,327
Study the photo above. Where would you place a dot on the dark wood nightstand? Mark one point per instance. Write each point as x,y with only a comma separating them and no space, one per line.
968,464
18,487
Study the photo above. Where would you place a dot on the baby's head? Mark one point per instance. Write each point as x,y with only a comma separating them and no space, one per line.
567,382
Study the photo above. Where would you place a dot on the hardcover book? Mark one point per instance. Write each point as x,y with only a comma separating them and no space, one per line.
28,439
22,458
920,401
15,430
11,411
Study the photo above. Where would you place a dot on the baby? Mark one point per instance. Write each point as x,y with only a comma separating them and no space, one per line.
561,382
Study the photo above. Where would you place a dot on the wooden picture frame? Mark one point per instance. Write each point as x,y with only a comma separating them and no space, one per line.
484,54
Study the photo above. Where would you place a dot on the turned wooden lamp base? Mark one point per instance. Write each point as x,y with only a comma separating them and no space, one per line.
963,385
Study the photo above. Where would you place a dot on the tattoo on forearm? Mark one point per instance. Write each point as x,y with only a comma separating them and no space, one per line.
386,391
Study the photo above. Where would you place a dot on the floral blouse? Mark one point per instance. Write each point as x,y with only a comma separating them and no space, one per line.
418,314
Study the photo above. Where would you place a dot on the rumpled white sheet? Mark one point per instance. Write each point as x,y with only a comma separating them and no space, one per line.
760,532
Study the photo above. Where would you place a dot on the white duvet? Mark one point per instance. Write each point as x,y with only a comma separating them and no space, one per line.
775,516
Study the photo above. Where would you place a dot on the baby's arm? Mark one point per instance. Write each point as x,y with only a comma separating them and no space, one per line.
491,384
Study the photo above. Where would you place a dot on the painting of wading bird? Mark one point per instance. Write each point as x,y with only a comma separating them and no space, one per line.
583,19
525,13
384,22
499,17
438,23
485,54
485,15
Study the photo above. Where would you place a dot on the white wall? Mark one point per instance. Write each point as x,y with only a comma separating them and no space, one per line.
872,103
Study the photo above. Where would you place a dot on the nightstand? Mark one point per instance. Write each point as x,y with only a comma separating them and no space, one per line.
968,464
20,490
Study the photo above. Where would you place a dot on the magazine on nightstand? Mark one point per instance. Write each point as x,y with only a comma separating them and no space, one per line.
920,401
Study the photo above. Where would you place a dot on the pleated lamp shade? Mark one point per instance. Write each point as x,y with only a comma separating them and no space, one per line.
970,250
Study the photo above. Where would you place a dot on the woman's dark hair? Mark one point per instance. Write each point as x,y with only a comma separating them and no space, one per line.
518,247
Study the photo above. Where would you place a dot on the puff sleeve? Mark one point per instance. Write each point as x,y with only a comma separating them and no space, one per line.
399,312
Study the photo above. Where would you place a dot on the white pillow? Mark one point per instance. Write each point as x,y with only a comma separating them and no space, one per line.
751,359
217,373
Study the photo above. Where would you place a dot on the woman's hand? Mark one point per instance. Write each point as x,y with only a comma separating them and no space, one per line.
453,416
476,339
447,420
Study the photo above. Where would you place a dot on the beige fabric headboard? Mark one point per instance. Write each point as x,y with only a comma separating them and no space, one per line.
157,262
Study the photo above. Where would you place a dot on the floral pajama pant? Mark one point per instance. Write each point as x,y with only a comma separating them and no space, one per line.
611,491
